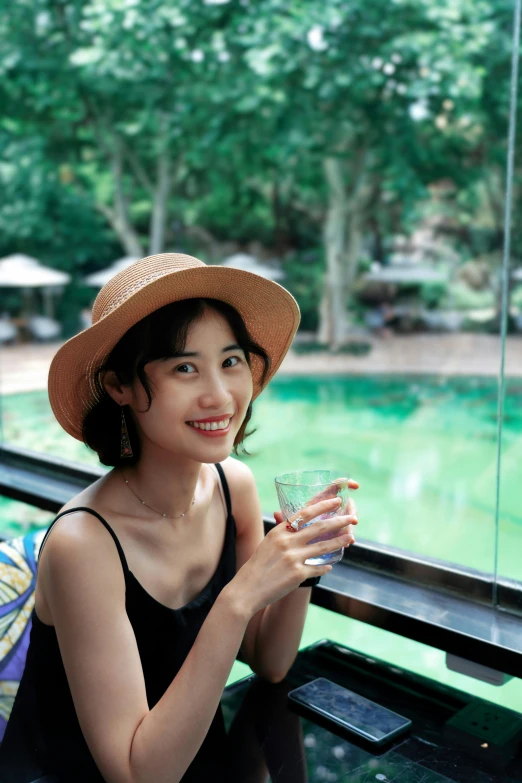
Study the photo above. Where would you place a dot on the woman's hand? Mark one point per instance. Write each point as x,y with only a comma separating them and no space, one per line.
277,566
350,509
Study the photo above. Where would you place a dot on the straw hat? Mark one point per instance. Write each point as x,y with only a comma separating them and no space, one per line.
269,311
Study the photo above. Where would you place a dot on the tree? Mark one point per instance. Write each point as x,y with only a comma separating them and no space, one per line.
288,121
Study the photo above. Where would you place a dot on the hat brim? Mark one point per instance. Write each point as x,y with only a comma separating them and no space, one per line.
269,311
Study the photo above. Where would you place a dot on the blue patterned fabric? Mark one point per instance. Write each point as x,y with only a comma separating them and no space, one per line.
18,558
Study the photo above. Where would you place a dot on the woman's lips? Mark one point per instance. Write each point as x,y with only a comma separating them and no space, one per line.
212,433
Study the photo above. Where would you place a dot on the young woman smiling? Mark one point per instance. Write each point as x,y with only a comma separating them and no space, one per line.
148,585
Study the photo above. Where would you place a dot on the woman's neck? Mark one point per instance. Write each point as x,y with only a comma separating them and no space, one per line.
166,486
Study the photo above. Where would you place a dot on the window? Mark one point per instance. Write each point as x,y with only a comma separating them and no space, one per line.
358,156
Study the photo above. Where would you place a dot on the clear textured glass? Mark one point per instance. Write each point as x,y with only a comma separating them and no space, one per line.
305,487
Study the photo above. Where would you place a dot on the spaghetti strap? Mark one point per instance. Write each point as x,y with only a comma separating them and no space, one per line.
226,490
102,520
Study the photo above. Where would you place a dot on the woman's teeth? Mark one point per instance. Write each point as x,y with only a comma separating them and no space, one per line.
210,425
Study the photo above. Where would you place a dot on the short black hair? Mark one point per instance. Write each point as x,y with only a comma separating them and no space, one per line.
157,336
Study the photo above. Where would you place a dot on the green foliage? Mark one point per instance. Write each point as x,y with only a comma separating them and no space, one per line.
231,211
432,294
304,274
245,101
41,216
516,297
462,297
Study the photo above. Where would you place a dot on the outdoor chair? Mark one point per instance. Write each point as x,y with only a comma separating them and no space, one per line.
8,331
42,328
18,559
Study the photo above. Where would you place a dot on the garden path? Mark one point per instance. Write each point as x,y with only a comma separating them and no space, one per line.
24,367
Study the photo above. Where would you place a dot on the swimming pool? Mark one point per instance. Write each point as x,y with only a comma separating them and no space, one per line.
424,450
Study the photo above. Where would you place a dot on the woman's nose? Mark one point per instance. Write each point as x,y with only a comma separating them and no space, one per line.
216,393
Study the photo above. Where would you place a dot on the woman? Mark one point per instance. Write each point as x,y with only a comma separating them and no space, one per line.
147,585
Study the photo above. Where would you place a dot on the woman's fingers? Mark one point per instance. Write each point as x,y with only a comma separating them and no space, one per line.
333,488
351,510
309,512
330,492
336,526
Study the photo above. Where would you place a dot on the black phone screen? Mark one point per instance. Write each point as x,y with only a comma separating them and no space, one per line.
346,708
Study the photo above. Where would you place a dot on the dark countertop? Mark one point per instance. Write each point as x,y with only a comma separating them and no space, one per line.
268,738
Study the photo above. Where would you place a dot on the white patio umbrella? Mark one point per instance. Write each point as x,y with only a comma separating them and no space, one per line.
21,271
408,274
250,263
98,279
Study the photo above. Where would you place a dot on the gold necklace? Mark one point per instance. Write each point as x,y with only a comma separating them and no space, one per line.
155,509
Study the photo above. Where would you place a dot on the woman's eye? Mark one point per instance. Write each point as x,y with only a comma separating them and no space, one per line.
188,369
232,358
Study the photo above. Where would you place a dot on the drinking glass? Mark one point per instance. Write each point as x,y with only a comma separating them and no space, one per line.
305,487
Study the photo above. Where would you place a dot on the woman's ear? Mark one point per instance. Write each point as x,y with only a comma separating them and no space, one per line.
121,394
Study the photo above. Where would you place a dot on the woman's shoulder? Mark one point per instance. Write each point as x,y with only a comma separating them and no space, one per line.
90,497
75,523
74,542
243,494
238,474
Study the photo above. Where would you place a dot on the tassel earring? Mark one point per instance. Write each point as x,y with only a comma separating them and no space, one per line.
125,446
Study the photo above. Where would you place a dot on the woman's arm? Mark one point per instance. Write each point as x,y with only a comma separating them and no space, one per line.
85,590
279,633
273,635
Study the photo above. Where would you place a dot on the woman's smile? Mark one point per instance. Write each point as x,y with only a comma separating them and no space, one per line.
214,427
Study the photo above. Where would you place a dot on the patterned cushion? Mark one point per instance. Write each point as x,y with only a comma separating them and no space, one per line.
18,558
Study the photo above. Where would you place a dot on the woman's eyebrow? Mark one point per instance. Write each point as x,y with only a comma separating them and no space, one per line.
233,347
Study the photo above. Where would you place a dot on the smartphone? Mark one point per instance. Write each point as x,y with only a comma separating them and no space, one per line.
350,712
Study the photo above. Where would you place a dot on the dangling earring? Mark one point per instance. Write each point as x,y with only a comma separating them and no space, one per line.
125,447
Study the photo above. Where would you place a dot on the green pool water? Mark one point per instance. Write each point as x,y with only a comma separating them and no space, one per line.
424,451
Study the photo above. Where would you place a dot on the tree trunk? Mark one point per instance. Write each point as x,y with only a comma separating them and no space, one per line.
332,310
158,221
343,236
119,216
360,199
354,246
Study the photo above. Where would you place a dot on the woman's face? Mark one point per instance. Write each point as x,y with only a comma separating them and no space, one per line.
210,379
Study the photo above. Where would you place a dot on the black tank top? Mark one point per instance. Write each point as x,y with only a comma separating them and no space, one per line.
43,735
